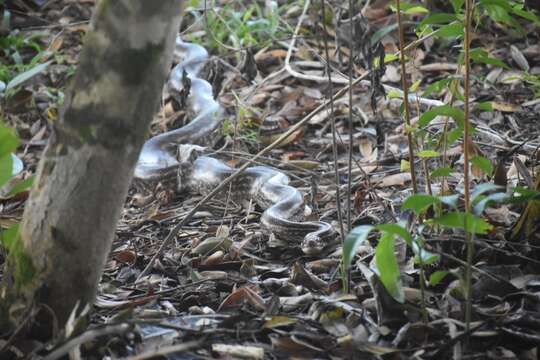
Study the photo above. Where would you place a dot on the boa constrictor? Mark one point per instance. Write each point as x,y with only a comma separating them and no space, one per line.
162,159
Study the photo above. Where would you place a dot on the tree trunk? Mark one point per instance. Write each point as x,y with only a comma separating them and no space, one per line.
86,168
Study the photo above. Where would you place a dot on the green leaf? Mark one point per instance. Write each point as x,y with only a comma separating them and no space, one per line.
501,3
8,237
453,30
6,165
464,221
388,268
414,87
393,94
388,58
428,154
409,8
437,277
353,240
19,79
444,110
454,135
421,255
396,229
498,10
404,166
416,10
483,164
457,5
484,106
528,15
521,195
8,140
21,186
442,172
436,87
428,258
480,56
419,202
437,18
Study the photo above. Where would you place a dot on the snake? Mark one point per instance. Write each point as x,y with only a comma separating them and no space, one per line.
177,157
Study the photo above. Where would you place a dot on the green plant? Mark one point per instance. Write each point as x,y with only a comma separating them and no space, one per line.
243,127
16,49
9,141
534,82
9,238
22,59
442,212
240,26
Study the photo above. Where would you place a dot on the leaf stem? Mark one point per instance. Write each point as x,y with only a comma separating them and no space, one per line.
466,140
406,109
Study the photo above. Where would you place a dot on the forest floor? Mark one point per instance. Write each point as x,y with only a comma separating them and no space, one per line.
221,289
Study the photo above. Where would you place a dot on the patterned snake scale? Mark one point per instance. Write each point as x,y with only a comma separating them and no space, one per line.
163,158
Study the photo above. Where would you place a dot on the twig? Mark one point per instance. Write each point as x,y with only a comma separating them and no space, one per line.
405,86
334,140
351,127
466,155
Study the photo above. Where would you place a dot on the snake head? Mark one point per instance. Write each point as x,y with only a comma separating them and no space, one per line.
312,244
186,156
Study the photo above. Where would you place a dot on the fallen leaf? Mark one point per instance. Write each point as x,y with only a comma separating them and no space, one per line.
394,180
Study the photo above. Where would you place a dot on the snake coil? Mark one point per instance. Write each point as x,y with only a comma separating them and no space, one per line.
166,158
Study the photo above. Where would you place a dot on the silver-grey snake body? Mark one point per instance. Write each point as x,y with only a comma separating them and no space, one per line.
165,157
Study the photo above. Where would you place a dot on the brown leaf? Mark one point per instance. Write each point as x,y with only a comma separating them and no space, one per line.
241,295
126,256
300,276
398,179
213,259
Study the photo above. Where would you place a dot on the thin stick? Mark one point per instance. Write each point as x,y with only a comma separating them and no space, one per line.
468,235
334,138
351,127
406,99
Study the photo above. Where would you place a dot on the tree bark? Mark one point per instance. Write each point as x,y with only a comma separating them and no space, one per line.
87,166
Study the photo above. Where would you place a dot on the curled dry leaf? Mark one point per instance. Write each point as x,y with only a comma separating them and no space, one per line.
399,179
240,296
